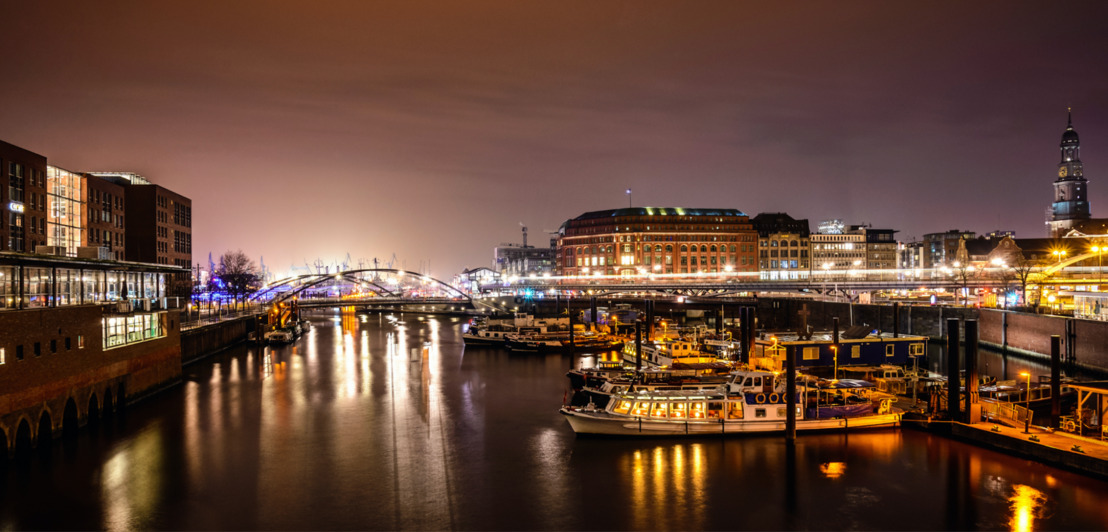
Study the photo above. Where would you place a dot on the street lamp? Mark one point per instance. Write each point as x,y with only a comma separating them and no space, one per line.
1099,250
1027,402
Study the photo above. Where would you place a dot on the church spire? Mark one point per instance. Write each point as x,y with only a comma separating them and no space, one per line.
1069,118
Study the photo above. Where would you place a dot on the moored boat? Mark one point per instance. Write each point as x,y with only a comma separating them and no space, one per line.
495,331
751,402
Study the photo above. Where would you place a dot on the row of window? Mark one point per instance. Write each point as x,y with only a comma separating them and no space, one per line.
36,348
802,253
627,248
783,243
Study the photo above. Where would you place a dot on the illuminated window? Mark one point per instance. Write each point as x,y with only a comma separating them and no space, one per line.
856,351
811,353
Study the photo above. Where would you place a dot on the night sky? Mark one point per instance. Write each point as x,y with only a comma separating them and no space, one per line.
432,130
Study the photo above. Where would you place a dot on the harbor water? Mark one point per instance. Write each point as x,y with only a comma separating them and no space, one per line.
388,422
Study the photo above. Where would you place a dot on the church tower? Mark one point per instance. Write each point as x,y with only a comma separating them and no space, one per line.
1071,200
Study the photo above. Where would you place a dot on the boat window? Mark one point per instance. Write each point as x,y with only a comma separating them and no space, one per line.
757,381
735,411
715,410
889,350
759,412
678,409
781,412
642,408
811,353
658,410
915,349
696,410
856,351
623,407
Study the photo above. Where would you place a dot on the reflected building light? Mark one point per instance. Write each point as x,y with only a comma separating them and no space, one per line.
1027,504
833,469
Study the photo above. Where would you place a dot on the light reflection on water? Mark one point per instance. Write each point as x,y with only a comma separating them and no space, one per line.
386,422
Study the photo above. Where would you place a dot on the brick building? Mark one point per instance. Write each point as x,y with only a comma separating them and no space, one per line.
654,240
23,197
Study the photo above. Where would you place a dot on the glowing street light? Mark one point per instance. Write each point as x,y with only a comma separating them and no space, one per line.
1027,402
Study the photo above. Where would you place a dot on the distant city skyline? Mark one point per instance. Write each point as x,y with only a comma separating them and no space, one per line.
430,131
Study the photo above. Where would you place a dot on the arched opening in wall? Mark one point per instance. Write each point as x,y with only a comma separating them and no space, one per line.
45,431
69,419
23,439
108,406
93,411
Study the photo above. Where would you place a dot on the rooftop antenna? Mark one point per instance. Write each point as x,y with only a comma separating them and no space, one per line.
628,198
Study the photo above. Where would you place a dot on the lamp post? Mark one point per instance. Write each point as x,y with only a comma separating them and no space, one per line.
1027,402
1099,250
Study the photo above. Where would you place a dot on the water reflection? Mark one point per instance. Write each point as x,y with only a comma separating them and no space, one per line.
1027,503
388,422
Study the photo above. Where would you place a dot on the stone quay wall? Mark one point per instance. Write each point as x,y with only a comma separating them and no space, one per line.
203,341
56,373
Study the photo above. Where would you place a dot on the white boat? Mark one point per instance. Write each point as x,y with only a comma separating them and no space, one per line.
752,402
665,352
495,332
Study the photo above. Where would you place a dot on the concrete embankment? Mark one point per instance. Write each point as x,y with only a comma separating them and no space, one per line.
200,342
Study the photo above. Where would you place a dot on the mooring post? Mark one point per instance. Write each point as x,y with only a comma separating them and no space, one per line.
953,398
971,372
896,319
638,346
572,342
1055,380
592,313
790,392
744,324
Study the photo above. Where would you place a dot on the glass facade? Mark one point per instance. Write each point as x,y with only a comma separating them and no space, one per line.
23,287
65,209
123,330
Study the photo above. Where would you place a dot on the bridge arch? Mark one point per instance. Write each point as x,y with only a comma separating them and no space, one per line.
1053,268
93,413
23,438
311,280
45,430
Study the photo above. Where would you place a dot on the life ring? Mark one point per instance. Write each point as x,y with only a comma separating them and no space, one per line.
1069,426
760,398
773,397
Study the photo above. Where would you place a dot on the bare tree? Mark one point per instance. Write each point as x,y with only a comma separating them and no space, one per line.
237,274
1022,267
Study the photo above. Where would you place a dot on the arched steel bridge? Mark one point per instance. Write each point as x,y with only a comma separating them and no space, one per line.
377,286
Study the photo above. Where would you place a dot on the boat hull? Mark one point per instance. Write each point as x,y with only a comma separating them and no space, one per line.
602,423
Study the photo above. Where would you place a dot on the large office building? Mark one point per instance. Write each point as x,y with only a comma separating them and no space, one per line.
513,260
657,240
158,221
23,196
783,246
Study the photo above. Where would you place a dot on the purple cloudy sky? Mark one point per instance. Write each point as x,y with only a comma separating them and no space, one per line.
431,130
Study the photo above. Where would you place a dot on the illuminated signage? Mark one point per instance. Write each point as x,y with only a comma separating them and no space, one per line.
15,207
